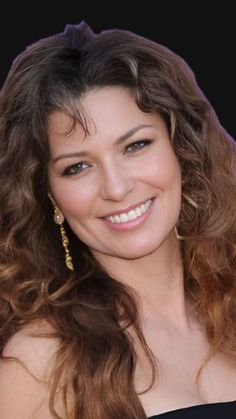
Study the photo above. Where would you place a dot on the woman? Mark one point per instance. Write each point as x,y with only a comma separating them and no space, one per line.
118,234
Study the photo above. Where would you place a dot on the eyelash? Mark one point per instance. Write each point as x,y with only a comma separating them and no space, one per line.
67,171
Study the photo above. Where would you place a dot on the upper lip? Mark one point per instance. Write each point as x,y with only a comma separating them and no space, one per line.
125,209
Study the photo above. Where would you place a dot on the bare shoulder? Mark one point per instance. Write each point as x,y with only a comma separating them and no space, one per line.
37,353
24,390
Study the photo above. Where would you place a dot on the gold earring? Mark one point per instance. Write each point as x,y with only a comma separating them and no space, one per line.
190,200
195,205
58,218
177,234
65,243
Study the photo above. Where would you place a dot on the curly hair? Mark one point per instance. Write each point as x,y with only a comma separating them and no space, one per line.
89,310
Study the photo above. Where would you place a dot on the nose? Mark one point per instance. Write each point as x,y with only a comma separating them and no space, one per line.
116,183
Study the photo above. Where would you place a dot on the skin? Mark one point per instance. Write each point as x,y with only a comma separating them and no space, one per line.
148,258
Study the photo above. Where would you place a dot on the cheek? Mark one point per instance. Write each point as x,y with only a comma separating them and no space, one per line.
73,199
164,170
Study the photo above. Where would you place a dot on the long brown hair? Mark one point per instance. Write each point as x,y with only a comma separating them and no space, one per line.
89,310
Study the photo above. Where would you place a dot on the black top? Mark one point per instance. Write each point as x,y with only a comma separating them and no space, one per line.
204,411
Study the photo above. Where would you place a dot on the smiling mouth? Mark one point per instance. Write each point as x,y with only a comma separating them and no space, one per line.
131,215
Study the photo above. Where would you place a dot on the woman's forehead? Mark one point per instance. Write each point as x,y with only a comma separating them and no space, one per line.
103,114
103,110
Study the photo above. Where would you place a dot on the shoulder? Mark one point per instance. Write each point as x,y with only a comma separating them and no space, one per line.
37,353
24,387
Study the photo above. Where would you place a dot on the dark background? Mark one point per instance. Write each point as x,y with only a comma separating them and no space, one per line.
205,39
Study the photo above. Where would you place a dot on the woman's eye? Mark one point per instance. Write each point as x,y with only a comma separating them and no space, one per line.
74,169
137,145
81,166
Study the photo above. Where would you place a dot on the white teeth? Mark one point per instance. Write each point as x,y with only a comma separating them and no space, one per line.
131,215
123,217
117,219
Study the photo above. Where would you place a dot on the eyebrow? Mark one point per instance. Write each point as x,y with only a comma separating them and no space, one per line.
120,140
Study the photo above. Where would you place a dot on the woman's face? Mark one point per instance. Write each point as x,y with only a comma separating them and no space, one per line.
126,165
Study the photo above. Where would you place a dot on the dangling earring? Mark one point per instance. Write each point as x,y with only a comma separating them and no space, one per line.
195,205
65,241
190,200
177,234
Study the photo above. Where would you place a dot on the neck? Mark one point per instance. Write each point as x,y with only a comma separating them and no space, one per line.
157,279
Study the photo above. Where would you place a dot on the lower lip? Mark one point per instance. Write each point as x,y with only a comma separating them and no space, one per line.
132,224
